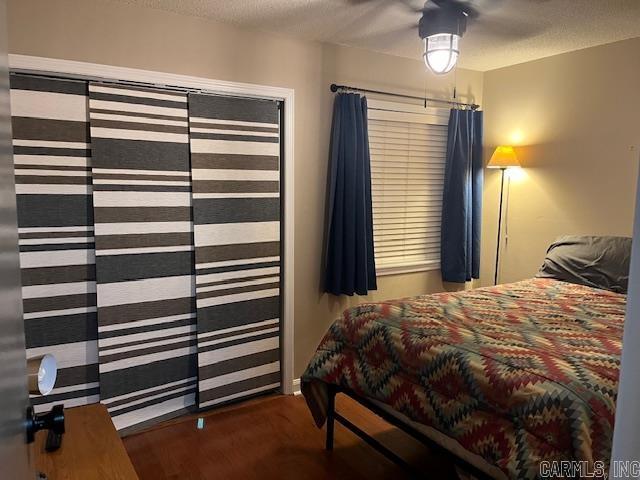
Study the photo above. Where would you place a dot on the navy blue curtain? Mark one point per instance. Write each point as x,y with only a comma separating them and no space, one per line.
462,198
349,259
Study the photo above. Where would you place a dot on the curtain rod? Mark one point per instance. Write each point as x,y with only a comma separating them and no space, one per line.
334,88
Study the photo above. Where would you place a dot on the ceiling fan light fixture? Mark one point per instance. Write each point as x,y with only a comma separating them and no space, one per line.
441,52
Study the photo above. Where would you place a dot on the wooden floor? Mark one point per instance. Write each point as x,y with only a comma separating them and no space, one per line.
275,438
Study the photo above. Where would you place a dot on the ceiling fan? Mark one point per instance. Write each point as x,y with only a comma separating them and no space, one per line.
441,26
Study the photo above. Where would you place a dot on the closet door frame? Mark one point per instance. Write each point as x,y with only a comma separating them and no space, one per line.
93,71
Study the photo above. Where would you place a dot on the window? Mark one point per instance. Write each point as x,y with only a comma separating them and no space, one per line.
408,146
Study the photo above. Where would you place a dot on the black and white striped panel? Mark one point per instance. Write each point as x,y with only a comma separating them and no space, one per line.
55,223
235,159
144,252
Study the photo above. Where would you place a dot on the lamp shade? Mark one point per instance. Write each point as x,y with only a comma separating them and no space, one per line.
503,157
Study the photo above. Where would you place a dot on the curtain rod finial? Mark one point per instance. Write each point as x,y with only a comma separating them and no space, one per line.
333,87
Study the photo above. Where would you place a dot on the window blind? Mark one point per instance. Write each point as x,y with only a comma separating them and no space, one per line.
408,146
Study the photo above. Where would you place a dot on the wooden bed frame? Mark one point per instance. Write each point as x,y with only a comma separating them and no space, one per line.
333,416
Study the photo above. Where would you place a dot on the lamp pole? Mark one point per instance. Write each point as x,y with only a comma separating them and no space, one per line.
495,277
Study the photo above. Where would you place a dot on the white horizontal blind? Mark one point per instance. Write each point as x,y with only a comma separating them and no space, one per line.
408,151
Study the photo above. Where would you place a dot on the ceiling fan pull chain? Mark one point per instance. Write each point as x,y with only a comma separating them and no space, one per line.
425,91
455,76
455,86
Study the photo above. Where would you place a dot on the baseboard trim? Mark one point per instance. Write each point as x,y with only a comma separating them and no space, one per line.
296,386
152,423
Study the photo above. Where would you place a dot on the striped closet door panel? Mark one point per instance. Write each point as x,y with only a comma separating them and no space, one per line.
144,252
235,160
55,223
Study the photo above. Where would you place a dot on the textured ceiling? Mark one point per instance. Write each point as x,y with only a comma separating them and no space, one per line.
507,31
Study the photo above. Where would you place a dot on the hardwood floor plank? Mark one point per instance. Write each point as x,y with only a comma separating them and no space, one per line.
275,438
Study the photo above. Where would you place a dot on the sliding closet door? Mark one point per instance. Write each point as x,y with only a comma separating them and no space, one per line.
235,158
144,252
55,220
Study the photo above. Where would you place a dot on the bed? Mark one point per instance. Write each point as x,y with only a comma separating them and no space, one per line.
501,378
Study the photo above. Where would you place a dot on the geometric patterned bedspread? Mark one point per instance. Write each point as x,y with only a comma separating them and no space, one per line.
517,373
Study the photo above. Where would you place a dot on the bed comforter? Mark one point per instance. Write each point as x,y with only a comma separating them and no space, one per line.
517,373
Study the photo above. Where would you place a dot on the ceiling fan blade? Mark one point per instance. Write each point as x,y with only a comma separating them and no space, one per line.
376,18
390,37
507,28
464,6
410,5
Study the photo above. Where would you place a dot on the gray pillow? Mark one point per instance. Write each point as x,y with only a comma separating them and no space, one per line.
599,262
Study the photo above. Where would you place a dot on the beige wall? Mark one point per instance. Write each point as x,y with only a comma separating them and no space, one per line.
576,119
576,116
117,34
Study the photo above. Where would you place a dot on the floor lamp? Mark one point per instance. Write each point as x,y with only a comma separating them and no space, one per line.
503,157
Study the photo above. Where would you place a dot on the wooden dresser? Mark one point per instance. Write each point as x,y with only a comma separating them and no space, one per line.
91,449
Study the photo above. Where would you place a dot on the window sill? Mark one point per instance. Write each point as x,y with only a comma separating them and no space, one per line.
404,269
